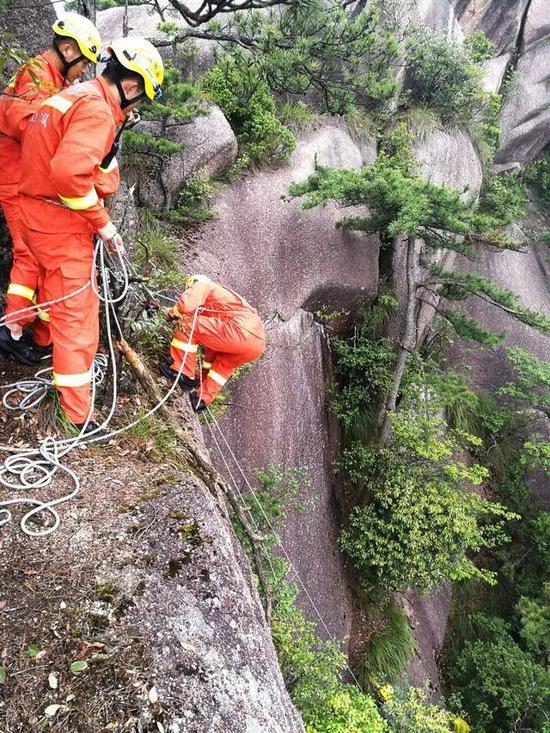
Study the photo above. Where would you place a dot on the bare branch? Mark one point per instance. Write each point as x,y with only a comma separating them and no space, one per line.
209,10
220,36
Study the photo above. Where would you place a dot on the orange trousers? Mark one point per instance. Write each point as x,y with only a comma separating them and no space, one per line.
227,345
24,277
66,262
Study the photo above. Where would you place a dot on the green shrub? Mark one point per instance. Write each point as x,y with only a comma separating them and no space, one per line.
411,712
312,671
390,650
538,174
245,99
499,683
419,522
193,205
479,46
534,618
312,668
443,76
531,383
363,369
340,59
503,199
347,710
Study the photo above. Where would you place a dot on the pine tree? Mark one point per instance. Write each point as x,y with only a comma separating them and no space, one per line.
417,222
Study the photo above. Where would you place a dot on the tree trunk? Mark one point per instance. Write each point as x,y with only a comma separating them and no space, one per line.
407,342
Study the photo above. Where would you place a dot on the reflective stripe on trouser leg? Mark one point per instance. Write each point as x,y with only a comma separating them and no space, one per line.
212,374
181,349
217,377
207,360
72,380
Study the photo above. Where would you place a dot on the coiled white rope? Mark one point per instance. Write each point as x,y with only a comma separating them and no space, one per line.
26,394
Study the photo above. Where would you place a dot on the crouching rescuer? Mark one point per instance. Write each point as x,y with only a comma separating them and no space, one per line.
62,210
228,328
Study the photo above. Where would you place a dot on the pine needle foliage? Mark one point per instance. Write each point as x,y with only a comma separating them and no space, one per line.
320,48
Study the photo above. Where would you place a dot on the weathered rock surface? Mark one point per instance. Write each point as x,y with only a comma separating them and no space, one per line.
279,414
30,25
500,19
276,254
448,157
494,71
194,56
527,275
537,23
210,146
428,615
525,116
516,27
213,659
284,260
436,14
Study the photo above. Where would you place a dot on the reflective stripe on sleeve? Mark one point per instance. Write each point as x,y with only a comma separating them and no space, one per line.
216,377
59,103
81,202
183,346
72,380
21,290
112,165
206,365
43,315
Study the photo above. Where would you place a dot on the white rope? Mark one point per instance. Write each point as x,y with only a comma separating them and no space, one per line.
272,529
35,468
32,469
26,394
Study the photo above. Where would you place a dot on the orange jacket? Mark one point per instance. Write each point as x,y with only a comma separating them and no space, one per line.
66,140
219,302
107,180
34,82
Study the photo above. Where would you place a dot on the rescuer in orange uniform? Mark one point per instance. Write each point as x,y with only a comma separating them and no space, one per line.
75,46
229,329
66,141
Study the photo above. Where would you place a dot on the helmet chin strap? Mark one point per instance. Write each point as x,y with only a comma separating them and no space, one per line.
124,101
67,64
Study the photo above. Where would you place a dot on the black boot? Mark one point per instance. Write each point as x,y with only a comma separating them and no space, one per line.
43,352
92,427
18,350
186,383
197,404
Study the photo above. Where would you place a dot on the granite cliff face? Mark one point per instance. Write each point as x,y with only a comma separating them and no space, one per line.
290,263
